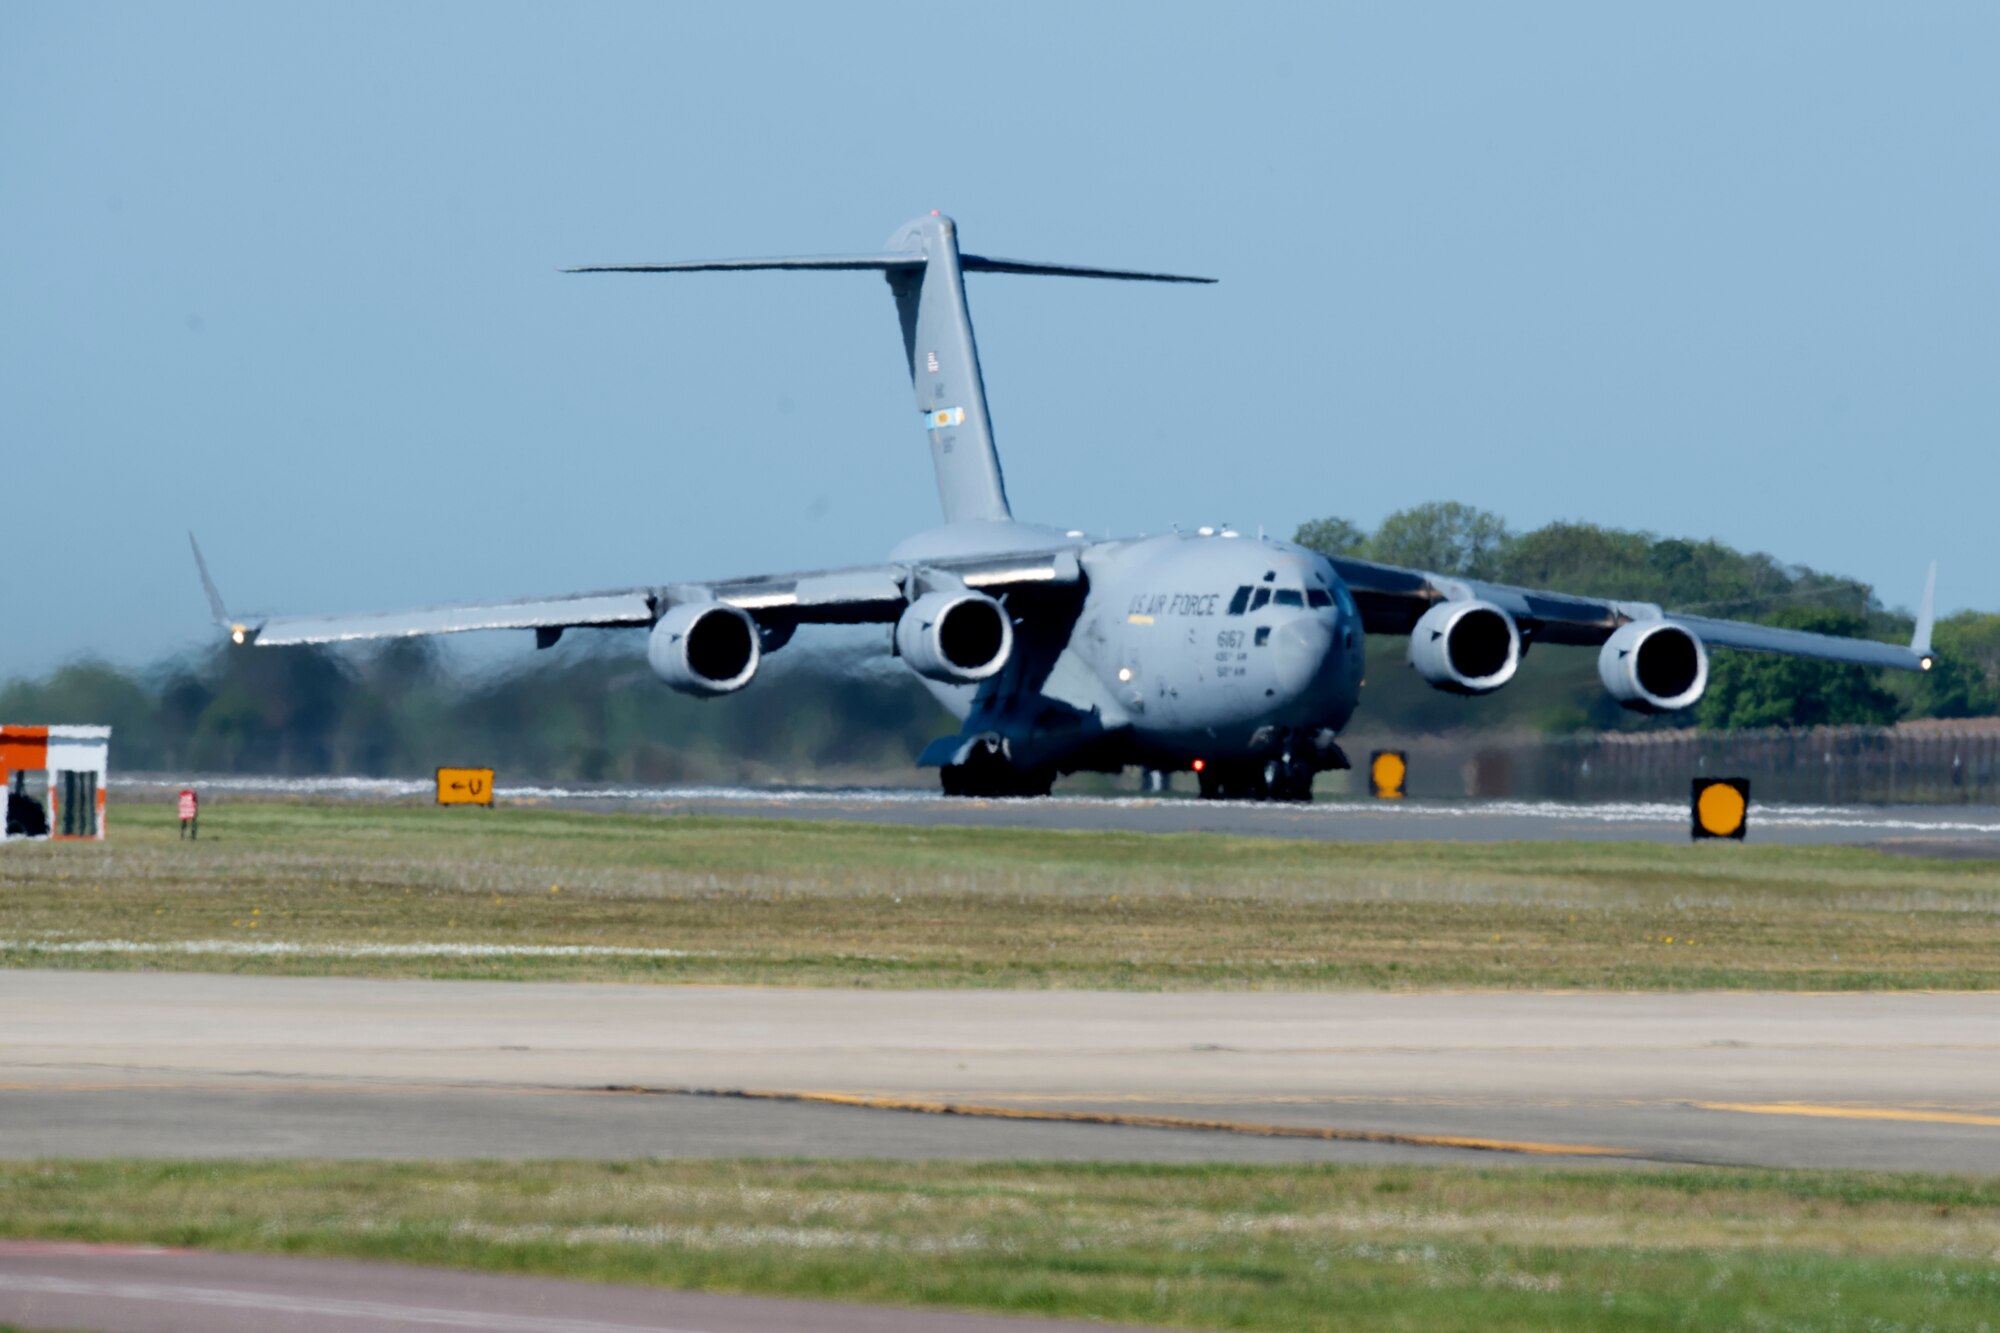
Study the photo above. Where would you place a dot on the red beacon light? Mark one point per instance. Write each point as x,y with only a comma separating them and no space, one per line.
1198,765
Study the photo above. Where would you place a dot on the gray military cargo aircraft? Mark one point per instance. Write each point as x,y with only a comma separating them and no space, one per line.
1238,657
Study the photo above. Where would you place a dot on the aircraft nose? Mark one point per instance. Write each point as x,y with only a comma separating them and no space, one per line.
1300,649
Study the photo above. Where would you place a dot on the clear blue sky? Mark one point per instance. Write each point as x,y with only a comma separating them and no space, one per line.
287,275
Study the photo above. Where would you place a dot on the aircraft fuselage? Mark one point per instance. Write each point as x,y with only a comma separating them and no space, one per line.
1219,648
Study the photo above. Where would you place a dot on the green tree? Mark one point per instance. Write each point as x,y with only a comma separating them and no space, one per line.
87,693
1767,690
1583,558
1443,537
1965,682
1332,536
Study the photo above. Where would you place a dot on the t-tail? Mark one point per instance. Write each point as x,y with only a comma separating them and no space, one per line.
926,272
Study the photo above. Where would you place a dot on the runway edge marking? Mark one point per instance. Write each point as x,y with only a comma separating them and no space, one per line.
1131,1121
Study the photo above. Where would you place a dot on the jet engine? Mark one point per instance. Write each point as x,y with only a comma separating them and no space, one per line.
958,638
705,648
1653,666
1466,647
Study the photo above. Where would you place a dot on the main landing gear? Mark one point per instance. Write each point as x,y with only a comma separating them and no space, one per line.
1280,778
988,772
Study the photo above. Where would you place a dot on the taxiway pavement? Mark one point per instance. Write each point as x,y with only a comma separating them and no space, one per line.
174,1065
142,1289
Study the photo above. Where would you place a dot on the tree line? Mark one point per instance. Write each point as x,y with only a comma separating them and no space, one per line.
589,710
1705,577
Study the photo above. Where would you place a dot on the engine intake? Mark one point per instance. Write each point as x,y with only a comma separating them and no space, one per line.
959,638
1466,647
705,648
1653,666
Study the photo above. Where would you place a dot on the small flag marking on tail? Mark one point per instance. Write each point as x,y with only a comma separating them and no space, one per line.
945,416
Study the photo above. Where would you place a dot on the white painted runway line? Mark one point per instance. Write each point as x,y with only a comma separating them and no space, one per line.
277,1305
120,1290
282,948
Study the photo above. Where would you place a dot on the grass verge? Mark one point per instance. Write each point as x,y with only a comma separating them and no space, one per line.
386,890
1220,1247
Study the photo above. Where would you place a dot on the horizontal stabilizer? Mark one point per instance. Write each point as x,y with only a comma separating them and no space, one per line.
926,269
982,264
889,262
837,262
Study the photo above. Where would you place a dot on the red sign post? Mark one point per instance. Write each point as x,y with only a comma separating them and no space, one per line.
190,807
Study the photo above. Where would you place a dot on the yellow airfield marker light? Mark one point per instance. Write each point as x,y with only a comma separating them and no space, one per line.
1387,772
1721,808
465,786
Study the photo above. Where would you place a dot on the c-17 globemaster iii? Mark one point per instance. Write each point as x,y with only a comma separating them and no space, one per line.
1238,657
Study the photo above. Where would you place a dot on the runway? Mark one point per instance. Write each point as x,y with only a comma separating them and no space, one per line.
143,1289
1953,830
190,1065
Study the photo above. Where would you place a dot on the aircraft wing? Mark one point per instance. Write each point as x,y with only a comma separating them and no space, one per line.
1391,600
859,595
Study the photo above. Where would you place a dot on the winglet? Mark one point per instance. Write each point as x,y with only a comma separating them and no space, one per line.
1920,642
239,632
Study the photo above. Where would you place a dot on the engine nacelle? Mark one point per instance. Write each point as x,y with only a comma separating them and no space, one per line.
705,648
1653,666
958,638
1466,647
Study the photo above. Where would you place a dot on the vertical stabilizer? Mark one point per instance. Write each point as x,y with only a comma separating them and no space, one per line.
944,371
927,272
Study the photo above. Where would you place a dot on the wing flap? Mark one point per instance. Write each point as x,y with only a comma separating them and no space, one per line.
1802,643
1391,600
863,595
588,610
860,595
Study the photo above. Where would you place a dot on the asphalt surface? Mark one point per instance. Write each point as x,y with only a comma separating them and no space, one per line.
131,1064
1955,830
173,1065
138,1289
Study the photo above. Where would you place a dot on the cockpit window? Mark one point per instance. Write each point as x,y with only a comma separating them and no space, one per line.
1263,596
1318,597
1289,597
1239,601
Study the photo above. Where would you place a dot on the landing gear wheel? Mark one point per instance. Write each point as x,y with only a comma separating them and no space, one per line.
1277,779
1287,779
1232,782
986,772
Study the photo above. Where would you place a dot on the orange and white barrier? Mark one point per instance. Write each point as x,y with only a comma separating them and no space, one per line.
77,762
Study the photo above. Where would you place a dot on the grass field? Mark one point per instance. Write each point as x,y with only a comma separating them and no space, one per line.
1199,1247
416,891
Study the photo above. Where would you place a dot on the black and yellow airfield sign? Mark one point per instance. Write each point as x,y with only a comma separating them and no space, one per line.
465,786
1387,771
1721,807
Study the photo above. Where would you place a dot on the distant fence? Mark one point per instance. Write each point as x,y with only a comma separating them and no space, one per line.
1927,762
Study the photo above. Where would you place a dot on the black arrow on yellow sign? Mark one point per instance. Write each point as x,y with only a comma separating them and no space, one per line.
465,786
